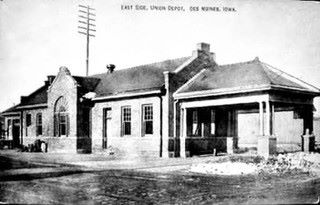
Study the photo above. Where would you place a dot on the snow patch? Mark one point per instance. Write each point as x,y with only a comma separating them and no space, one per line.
224,168
89,95
280,164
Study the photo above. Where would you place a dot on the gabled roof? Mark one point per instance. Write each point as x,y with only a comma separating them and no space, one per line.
37,97
136,79
40,96
241,76
87,84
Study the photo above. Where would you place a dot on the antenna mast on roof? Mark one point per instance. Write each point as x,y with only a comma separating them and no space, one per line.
87,17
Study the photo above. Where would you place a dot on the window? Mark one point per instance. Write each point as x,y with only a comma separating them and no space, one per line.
39,124
147,120
62,124
28,120
61,118
126,121
8,127
195,127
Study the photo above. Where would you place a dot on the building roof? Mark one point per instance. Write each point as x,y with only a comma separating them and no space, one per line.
136,79
11,110
37,97
87,84
241,76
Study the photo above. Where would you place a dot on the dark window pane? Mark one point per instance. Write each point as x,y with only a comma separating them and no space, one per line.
127,128
63,129
28,120
39,124
148,127
39,130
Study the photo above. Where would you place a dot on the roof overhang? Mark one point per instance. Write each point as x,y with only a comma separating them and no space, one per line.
35,106
127,95
6,114
240,90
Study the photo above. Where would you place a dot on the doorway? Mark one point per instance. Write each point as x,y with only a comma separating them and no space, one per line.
106,126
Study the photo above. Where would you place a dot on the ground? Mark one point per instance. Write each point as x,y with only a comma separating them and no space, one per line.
162,184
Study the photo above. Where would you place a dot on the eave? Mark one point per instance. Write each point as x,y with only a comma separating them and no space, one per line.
35,106
127,95
240,90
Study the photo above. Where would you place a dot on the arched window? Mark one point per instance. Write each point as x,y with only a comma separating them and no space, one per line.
39,124
61,118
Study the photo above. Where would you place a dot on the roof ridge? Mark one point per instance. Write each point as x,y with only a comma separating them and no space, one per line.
306,85
157,62
77,76
143,65
265,73
239,63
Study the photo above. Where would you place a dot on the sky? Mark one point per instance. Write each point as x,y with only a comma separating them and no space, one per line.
39,36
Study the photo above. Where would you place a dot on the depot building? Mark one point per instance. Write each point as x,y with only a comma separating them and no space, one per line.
174,108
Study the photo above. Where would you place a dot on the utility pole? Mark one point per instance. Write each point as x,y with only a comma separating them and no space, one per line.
87,19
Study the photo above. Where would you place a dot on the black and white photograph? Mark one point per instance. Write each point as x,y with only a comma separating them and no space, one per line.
159,102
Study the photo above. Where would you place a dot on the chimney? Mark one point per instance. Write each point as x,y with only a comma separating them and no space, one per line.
204,48
110,68
50,79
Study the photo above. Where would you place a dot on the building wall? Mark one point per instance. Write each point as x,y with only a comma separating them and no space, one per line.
7,128
29,132
63,86
132,145
316,129
287,129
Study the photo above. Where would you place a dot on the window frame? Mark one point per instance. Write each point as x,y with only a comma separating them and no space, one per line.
63,124
126,118
39,128
28,119
195,126
58,125
147,117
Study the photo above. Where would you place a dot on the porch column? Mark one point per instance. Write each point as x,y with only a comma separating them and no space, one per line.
268,120
183,135
230,132
267,143
261,123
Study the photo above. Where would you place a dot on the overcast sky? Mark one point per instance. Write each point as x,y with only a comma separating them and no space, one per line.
39,36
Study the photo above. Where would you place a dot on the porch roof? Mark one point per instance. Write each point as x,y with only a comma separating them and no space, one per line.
242,77
10,111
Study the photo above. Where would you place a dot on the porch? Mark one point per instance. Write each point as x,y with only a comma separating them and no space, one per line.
211,126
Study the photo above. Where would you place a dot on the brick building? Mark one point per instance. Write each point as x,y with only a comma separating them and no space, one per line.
181,107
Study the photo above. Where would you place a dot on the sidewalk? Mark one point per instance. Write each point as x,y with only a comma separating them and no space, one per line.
58,164
36,173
